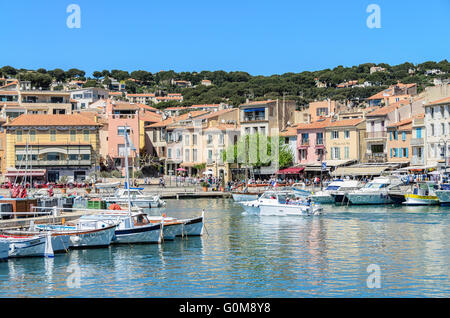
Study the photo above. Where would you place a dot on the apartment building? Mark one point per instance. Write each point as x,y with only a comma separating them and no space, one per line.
399,141
345,139
437,126
86,96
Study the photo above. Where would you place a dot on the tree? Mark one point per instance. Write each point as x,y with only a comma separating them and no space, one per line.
58,74
75,73
97,74
9,70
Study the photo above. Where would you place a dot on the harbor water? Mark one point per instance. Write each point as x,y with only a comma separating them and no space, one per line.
245,255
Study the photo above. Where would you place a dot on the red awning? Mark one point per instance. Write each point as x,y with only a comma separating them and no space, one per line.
292,170
23,173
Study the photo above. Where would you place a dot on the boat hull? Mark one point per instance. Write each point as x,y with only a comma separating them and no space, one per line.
60,243
414,199
288,210
443,196
92,238
142,234
172,230
192,227
340,198
322,199
27,247
368,198
4,250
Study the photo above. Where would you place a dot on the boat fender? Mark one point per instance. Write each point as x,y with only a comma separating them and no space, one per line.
12,248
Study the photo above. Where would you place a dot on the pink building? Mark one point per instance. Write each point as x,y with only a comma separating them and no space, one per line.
311,141
121,116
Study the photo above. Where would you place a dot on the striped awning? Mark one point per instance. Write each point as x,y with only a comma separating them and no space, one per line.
360,171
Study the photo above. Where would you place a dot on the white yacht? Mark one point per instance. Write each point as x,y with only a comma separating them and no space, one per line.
374,192
423,193
282,203
137,197
335,189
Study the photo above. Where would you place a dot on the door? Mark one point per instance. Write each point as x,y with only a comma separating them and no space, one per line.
53,176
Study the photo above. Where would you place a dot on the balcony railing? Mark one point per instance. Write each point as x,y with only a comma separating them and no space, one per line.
57,163
417,161
417,141
376,134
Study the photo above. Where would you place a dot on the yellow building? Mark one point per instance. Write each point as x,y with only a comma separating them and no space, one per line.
55,145
344,139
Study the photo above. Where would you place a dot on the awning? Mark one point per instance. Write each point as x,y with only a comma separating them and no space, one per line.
260,109
23,173
337,163
292,170
360,171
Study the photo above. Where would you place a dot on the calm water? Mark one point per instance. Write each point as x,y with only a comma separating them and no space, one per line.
245,255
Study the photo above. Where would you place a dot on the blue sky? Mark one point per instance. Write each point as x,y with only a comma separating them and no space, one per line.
259,37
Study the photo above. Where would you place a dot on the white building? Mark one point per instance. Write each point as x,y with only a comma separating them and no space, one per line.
87,96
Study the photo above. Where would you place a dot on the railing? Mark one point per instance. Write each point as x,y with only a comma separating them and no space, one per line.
417,141
57,163
376,134
376,157
417,161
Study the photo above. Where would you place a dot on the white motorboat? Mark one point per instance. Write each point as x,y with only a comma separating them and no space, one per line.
423,193
137,197
133,227
24,246
334,190
81,236
282,203
374,192
443,194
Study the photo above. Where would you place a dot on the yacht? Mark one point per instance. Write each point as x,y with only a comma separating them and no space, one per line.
374,192
335,191
137,197
443,194
423,193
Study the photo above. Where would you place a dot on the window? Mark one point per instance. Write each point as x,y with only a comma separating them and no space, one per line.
121,150
178,153
432,130
346,152
347,134
443,129
432,112
186,140
418,132
186,155
121,130
262,130
334,134
403,135
395,135
209,139
19,135
194,155
73,157
405,152
335,153
85,157
221,139
73,135
319,138
32,135
52,135
194,139
303,154
169,153
86,135
210,154
53,156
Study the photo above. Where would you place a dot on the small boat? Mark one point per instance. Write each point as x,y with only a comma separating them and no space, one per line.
24,246
60,242
137,197
443,194
133,227
82,235
244,196
423,194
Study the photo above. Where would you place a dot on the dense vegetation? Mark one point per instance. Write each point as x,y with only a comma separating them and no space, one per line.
235,87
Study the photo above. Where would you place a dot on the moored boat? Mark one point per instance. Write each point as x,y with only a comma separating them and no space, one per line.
423,194
24,246
374,192
443,194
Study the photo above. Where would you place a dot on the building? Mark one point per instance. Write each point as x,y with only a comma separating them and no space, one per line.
377,122
206,82
418,141
437,126
375,69
393,94
147,98
399,141
55,145
321,109
290,139
266,117
86,96
311,141
345,140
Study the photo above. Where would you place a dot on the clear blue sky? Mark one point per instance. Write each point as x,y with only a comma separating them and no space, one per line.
259,37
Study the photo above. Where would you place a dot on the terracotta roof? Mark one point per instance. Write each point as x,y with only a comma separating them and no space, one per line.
224,127
52,120
12,83
168,97
205,106
346,122
290,131
387,109
152,117
401,123
146,107
176,108
315,125
440,101
217,113
142,95
115,93
172,120
124,105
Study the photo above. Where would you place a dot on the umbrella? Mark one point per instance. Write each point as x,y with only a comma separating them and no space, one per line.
181,169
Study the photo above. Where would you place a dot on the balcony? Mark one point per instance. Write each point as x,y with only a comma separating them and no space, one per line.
417,142
376,135
378,157
304,142
417,161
